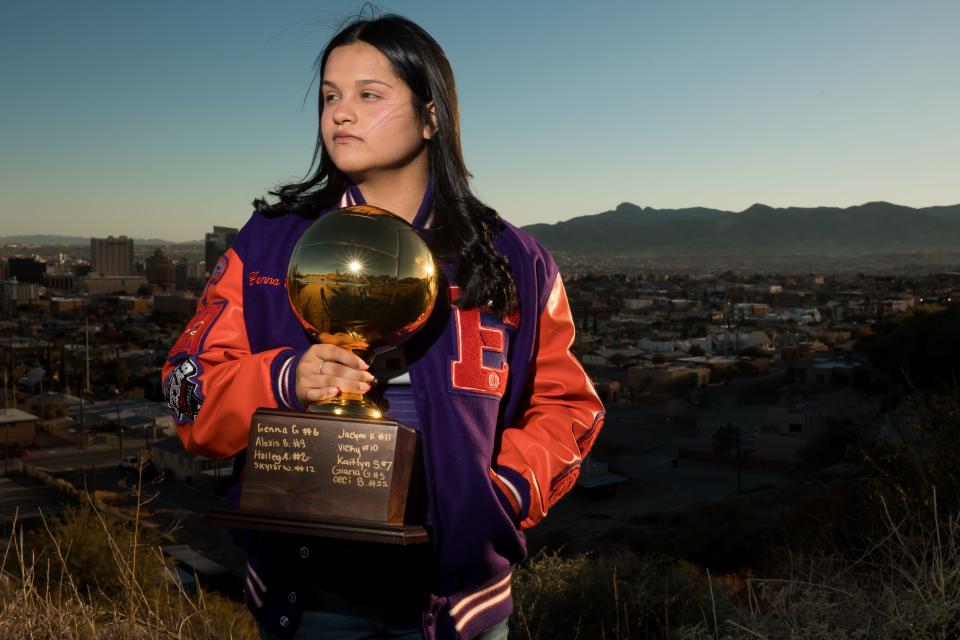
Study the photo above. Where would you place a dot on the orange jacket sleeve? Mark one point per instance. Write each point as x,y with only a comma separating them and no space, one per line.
211,380
540,455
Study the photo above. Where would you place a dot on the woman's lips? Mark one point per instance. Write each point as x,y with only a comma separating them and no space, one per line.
345,137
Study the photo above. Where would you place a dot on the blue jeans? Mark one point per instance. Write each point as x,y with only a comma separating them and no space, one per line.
356,622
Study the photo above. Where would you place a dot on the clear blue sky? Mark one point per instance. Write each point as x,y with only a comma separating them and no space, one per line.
161,119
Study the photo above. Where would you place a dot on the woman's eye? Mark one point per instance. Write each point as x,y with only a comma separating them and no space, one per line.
369,95
330,97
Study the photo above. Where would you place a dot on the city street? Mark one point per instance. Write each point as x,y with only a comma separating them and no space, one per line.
71,457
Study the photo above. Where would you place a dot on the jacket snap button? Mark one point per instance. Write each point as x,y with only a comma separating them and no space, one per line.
292,597
304,552
429,618
284,622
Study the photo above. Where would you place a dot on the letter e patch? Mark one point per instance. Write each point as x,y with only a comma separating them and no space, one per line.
480,362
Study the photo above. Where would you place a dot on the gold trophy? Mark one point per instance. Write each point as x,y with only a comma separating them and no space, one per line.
363,279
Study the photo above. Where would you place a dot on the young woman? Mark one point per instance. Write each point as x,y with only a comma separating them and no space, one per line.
505,413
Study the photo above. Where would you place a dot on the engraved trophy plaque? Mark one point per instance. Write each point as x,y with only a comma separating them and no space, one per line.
361,278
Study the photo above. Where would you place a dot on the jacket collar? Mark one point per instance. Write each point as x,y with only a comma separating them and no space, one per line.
352,196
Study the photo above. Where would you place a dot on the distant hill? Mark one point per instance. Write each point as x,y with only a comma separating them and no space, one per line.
45,239
75,240
871,228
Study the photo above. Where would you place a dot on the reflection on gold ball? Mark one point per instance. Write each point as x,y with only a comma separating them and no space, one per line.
362,278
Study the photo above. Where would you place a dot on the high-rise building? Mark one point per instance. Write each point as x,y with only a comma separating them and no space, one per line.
180,274
160,269
59,281
26,269
13,293
112,256
217,244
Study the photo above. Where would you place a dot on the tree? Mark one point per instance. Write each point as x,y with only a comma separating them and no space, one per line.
832,445
135,334
617,360
726,438
53,409
754,352
906,472
920,351
116,372
722,374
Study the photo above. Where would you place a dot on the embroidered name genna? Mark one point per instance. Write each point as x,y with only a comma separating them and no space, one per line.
256,278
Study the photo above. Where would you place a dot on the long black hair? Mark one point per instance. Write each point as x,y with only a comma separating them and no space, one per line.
464,226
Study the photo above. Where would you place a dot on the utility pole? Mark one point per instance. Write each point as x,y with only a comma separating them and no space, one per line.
739,459
119,424
83,423
86,351
43,424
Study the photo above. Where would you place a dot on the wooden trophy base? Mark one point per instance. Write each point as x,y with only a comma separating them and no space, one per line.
342,529
333,476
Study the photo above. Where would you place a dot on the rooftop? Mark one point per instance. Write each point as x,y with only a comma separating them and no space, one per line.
12,416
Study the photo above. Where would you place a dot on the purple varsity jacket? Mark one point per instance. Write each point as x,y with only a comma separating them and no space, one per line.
506,416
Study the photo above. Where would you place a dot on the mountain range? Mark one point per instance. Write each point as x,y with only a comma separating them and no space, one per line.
868,229
871,228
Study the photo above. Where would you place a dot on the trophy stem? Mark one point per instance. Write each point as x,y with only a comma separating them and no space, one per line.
347,404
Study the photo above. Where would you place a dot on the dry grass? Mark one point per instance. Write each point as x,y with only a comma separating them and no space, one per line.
617,597
100,575
904,586
90,576
43,600
96,574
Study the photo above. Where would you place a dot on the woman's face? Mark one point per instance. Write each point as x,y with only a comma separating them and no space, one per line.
368,123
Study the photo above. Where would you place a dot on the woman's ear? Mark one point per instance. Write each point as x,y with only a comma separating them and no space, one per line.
430,127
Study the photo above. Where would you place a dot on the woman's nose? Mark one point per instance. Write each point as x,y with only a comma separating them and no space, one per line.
342,112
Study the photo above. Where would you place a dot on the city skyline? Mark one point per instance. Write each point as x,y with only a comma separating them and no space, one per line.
164,121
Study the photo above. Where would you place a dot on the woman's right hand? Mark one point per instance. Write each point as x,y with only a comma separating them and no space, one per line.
325,370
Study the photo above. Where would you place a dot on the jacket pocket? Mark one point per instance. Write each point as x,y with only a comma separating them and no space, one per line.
507,494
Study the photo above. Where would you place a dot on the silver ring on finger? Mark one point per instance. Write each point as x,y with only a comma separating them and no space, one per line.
322,362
